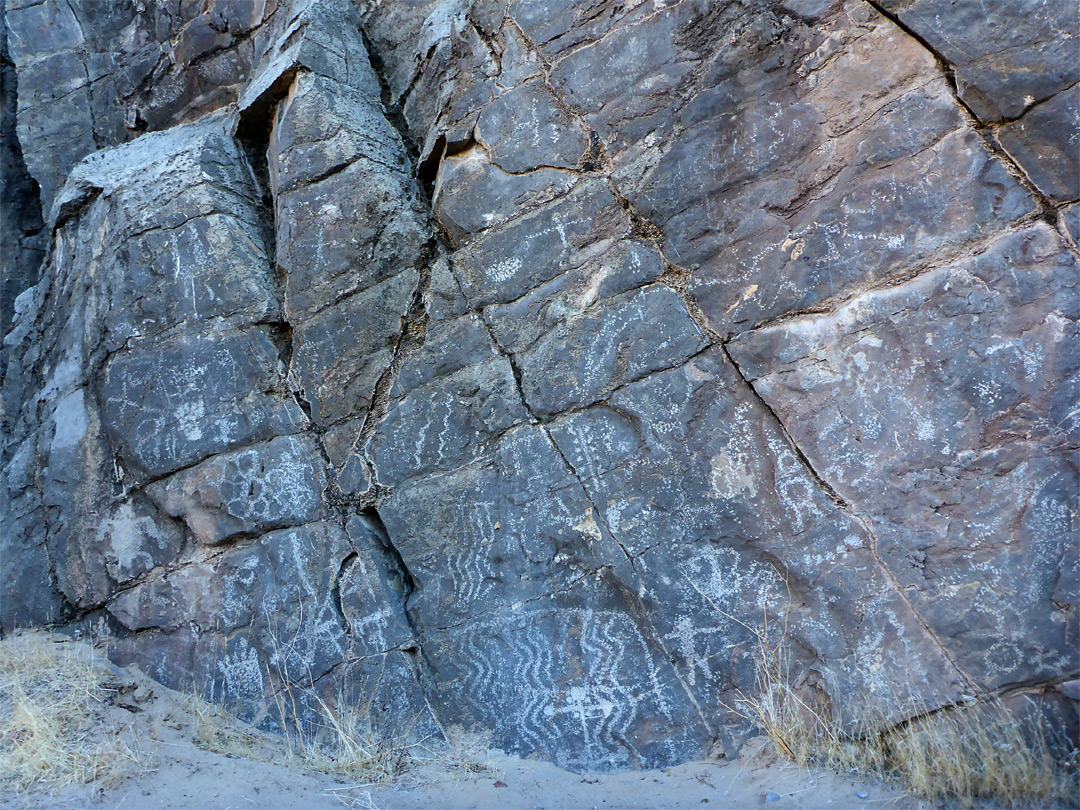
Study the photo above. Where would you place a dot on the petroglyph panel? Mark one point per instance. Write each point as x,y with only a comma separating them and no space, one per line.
175,406
256,489
258,611
513,366
694,477
510,528
577,681
945,407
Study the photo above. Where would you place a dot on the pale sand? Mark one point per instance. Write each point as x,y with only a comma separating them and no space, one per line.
173,772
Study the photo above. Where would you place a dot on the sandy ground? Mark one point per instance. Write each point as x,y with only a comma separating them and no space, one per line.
171,771
196,779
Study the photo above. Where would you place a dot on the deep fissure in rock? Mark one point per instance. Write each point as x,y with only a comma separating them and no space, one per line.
392,559
22,241
740,260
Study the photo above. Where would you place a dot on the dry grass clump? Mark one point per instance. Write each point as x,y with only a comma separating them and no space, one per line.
343,743
965,753
217,731
464,752
52,698
337,742
982,751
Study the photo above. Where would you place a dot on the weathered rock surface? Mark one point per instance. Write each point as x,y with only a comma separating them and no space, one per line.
1022,78
21,234
947,406
511,368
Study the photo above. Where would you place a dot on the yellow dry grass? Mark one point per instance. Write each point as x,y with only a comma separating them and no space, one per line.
52,697
464,752
983,751
342,742
215,730
965,753
337,742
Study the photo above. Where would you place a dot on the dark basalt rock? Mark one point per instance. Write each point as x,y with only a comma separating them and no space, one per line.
512,369
967,472
21,235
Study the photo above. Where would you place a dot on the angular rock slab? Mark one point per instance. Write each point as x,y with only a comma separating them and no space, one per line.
261,487
172,407
472,193
507,263
350,238
943,409
259,614
576,678
93,317
454,399
730,533
1046,145
283,609
1006,73
508,529
1002,68
595,328
99,536
526,128
328,142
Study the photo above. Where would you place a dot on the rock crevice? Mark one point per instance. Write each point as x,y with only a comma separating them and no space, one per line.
513,366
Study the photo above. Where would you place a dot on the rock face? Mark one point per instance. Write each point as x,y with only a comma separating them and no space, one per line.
21,232
514,368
